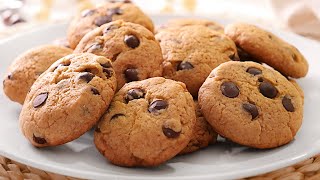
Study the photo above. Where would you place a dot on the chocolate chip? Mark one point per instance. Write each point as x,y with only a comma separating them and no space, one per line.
86,76
39,140
127,1
40,99
268,90
108,72
233,57
287,104
131,75
87,12
106,65
260,79
169,132
252,109
95,91
184,65
116,116
102,20
9,76
254,71
229,89
135,93
131,41
157,105
95,46
269,36
116,11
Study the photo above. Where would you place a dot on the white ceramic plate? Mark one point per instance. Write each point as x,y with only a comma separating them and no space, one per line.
221,161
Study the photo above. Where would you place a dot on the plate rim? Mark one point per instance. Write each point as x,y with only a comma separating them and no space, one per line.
234,174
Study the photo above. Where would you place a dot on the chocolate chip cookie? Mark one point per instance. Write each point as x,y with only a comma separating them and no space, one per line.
148,123
110,11
202,135
191,52
190,22
26,68
267,48
251,105
68,99
134,52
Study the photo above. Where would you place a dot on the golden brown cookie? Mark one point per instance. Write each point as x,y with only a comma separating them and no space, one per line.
134,52
190,22
266,47
191,52
27,67
110,11
203,134
148,123
251,105
68,99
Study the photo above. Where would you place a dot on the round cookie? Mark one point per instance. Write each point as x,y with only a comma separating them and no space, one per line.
202,135
27,67
68,99
134,52
251,105
190,22
266,47
110,11
148,123
191,52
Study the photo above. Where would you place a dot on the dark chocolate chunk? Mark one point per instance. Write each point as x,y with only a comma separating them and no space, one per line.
132,41
95,91
157,105
86,76
131,75
184,65
287,104
39,140
169,132
268,90
229,89
254,71
135,93
252,109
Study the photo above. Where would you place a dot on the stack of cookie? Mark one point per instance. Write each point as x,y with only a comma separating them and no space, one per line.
140,87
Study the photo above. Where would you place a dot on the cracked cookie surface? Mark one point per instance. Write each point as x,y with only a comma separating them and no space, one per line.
148,122
263,46
27,67
251,105
110,11
202,135
68,99
191,52
134,52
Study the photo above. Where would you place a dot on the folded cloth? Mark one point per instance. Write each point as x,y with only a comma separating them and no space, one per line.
300,16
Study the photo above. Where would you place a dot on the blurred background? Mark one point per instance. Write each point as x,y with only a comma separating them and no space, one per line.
299,16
